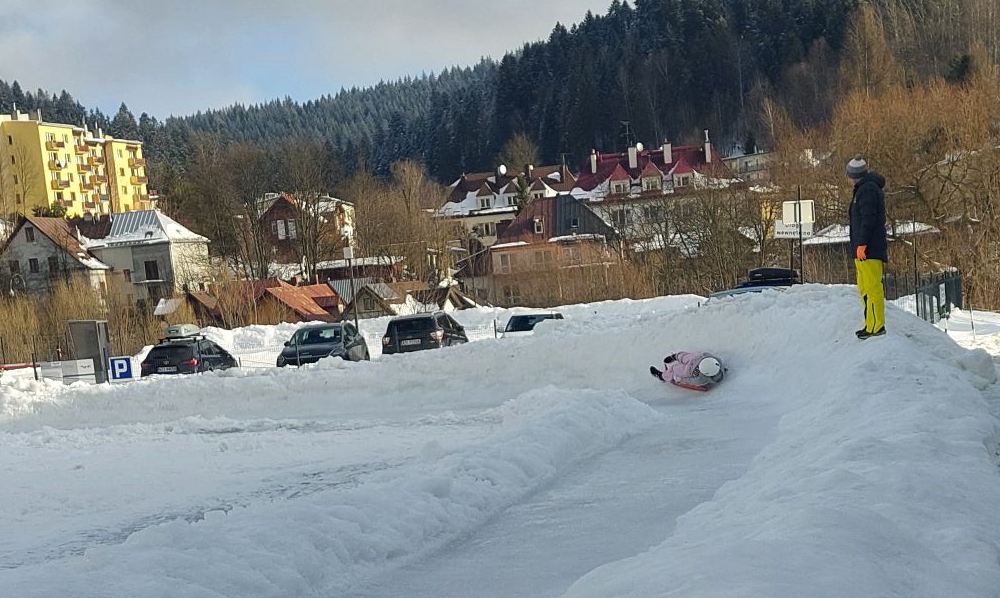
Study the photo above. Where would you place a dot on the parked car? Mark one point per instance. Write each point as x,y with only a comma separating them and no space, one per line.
524,324
312,343
763,279
422,331
184,350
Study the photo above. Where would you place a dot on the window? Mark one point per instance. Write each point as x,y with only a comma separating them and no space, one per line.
574,223
59,196
274,228
619,187
29,234
65,138
281,230
124,190
511,200
291,229
53,265
537,194
119,153
573,254
681,181
655,213
33,266
620,218
72,177
53,157
539,226
512,295
18,197
72,195
10,140
13,160
50,137
484,202
488,229
121,172
15,267
15,179
367,303
651,183
504,263
128,275
152,270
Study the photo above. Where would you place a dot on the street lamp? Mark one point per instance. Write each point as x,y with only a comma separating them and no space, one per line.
349,256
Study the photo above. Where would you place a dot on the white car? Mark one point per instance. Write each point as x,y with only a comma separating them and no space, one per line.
524,324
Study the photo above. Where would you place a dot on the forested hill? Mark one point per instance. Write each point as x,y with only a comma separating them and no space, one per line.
669,67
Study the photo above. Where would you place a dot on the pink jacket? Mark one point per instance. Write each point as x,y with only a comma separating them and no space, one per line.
681,370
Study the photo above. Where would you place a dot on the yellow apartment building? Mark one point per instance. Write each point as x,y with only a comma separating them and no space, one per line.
46,164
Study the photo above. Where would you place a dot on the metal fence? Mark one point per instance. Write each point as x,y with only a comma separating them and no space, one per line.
930,296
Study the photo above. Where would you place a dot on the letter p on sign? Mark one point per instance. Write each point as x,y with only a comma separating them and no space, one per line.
121,369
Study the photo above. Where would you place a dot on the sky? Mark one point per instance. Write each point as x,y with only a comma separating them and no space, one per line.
180,56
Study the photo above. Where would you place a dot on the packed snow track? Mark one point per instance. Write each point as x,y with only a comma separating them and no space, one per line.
549,465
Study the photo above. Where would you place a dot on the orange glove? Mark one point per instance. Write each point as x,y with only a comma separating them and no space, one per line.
861,253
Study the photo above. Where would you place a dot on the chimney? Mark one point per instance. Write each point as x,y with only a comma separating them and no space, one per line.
38,115
593,161
633,157
708,149
668,152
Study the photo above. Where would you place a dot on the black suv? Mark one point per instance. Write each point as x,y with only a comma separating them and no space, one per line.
187,355
312,343
422,331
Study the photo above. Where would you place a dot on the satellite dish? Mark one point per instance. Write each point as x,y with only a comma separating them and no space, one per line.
502,170
639,146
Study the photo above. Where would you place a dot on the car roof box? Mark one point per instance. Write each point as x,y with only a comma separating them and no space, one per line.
181,331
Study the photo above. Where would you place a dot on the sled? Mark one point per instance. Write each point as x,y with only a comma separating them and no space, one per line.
691,386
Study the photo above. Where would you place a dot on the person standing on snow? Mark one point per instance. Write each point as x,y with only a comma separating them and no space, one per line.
694,370
868,243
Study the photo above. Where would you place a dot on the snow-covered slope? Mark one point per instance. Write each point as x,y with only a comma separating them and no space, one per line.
865,469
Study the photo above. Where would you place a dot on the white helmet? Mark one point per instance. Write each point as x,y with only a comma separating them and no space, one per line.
709,366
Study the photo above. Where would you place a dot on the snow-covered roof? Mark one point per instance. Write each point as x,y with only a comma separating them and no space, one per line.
504,245
840,234
585,237
145,227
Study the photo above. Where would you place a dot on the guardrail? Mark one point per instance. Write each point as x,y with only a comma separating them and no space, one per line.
930,296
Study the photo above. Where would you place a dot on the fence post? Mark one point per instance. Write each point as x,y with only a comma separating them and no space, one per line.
3,352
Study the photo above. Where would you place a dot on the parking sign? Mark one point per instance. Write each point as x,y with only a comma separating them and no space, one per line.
121,369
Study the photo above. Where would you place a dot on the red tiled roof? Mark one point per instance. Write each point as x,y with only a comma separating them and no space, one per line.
651,170
522,228
693,156
299,301
61,234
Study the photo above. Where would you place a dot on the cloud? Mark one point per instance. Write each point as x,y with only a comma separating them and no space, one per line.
181,56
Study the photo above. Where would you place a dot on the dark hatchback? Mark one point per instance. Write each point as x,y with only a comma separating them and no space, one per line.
422,331
186,356
312,343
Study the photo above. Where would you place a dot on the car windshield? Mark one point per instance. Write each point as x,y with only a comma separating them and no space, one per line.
525,323
411,325
172,352
317,336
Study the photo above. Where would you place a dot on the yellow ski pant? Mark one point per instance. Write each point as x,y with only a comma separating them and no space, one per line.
872,293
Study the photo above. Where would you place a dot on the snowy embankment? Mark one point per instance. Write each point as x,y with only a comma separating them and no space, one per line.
872,468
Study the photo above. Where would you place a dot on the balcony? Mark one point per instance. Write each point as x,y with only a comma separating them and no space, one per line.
138,198
139,180
84,166
59,184
87,184
55,165
95,160
134,162
81,148
100,178
54,145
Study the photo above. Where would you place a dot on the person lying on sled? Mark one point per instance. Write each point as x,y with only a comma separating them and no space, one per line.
694,370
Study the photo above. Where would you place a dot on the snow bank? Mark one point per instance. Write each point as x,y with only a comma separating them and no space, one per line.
327,542
879,481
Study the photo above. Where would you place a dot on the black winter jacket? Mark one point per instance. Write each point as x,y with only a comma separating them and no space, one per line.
867,214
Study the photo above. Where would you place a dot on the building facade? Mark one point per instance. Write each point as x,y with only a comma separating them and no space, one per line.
45,165
42,252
